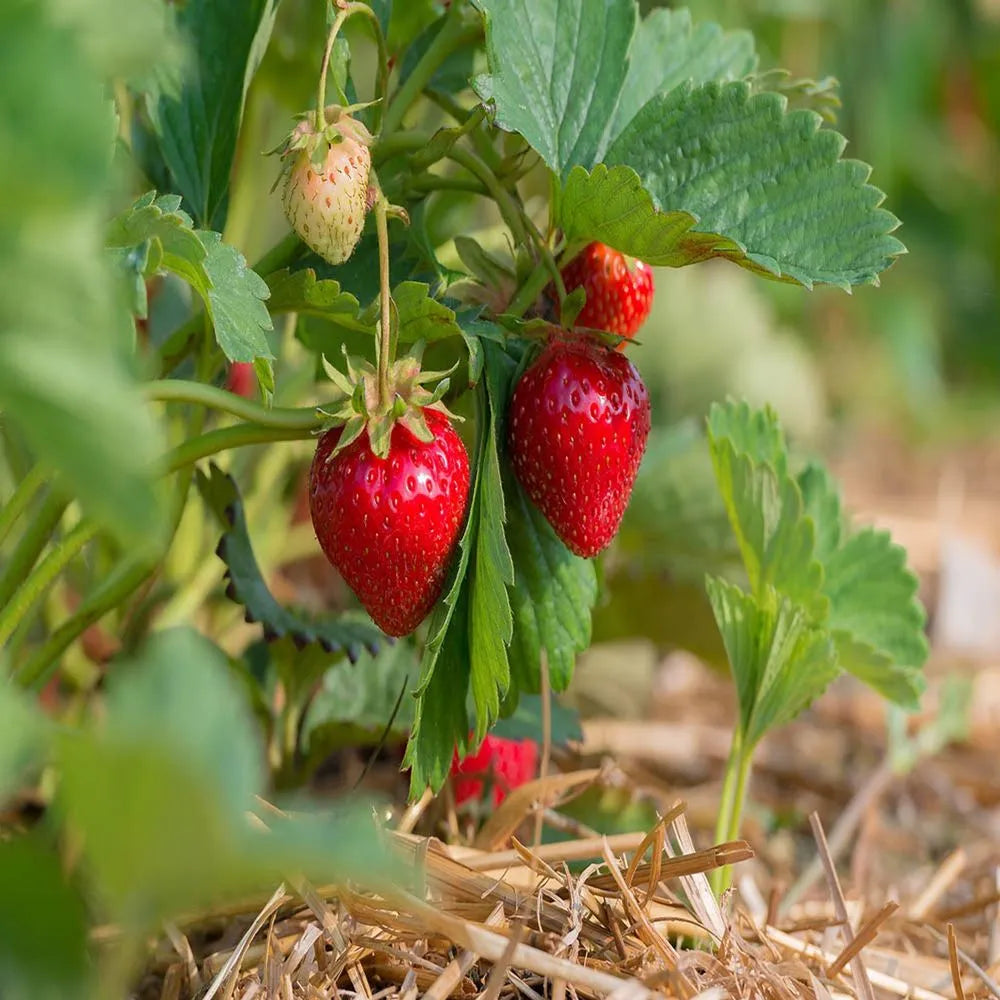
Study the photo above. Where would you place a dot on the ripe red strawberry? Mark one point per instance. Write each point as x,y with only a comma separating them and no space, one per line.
390,525
506,764
619,290
326,185
579,420
241,380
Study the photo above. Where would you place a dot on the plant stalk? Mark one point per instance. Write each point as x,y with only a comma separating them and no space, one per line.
732,799
31,543
454,34
385,331
182,391
42,577
23,494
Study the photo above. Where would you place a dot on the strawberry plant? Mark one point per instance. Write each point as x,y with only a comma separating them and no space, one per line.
426,367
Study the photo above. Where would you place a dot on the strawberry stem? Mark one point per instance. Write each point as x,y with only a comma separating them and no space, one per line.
348,10
457,31
385,325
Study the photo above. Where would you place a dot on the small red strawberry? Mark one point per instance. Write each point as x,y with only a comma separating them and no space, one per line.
506,764
619,289
579,419
326,184
240,379
387,495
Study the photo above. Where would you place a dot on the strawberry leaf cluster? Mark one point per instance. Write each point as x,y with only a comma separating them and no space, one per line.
699,164
820,599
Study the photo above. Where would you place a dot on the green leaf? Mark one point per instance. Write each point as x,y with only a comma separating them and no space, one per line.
821,502
492,571
43,926
236,301
452,76
158,794
772,182
525,723
764,504
301,292
65,382
196,111
557,69
158,218
780,661
233,293
355,703
441,719
876,619
422,317
668,50
465,649
551,599
24,739
611,206
248,587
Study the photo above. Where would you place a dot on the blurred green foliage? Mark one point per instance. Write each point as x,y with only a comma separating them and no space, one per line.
920,84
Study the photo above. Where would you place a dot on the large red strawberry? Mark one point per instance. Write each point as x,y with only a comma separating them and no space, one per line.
619,289
505,764
325,196
387,494
579,419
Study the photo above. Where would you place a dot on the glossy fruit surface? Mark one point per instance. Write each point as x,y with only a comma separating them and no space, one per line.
619,290
390,525
504,764
578,424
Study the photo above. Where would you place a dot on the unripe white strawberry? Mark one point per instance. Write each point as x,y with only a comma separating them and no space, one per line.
326,186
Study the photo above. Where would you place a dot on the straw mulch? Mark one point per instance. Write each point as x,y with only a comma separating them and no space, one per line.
495,912
628,916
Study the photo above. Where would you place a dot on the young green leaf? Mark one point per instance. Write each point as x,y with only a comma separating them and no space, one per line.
301,292
248,587
876,619
236,299
764,505
234,293
821,502
196,109
780,660
755,175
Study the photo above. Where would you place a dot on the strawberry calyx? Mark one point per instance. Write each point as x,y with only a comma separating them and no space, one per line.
306,138
358,404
